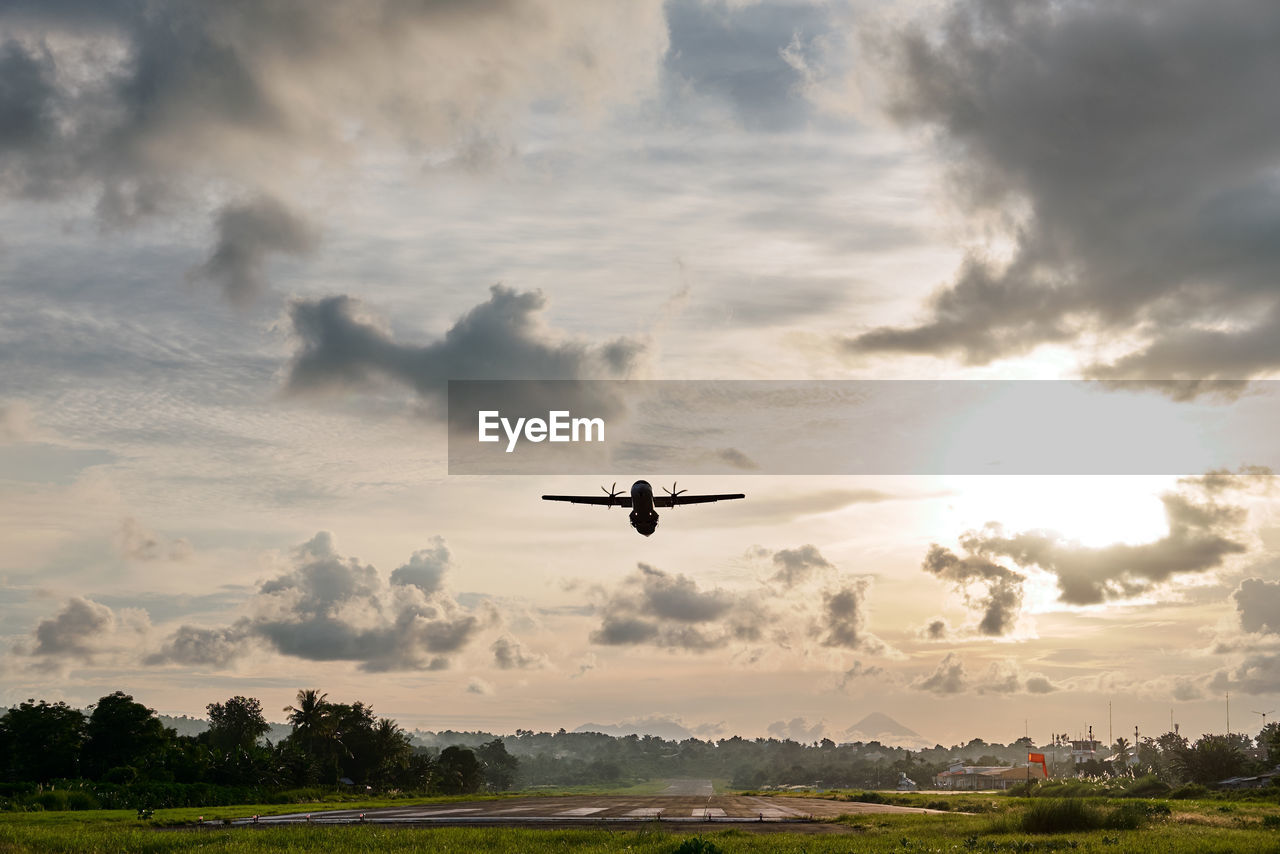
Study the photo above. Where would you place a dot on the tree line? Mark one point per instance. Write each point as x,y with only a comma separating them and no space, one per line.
122,743
124,748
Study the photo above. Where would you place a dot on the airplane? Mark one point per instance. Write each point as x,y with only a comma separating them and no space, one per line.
641,501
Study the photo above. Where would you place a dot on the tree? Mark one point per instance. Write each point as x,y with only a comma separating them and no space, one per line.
458,771
1269,740
312,752
1121,750
1212,758
499,766
237,724
121,733
391,751
41,741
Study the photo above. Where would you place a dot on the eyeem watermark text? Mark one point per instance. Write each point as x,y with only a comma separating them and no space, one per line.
559,426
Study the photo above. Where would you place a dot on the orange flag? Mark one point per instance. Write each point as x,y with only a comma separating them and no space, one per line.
1039,757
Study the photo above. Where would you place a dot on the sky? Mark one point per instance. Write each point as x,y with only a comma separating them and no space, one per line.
243,248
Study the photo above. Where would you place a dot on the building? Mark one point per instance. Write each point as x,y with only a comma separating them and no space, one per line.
967,778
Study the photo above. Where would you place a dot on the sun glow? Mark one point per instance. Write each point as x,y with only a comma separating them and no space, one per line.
1094,510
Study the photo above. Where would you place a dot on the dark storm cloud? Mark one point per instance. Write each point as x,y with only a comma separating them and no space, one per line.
937,629
798,564
1130,147
1258,602
154,107
1000,603
655,607
248,233
502,338
331,608
76,631
1203,532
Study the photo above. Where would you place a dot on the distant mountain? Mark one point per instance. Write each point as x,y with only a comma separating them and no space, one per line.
878,726
659,726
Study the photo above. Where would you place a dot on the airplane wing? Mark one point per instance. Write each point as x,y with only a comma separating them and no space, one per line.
668,501
602,500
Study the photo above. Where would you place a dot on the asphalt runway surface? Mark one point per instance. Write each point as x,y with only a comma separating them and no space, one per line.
683,802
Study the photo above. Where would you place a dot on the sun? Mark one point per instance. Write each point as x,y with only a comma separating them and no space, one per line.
1092,510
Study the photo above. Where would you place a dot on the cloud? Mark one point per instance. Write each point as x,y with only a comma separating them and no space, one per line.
1000,603
331,608
15,420
1258,602
75,629
151,109
651,606
248,233
947,678
475,685
138,543
1203,533
858,672
798,729
999,677
843,620
510,654
84,631
936,629
798,564
426,569
1140,216
342,347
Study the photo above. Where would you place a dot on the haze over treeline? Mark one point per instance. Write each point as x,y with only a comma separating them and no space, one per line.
121,753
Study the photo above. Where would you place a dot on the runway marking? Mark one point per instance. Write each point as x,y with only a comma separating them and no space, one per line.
712,812
583,811
515,809
449,812
646,812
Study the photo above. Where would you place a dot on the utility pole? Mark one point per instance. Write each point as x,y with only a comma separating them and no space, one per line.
1111,739
1228,713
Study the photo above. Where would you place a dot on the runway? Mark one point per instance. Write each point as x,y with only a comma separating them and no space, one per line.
684,802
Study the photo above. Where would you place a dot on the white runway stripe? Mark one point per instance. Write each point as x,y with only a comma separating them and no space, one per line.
583,811
447,812
646,812
515,809
713,812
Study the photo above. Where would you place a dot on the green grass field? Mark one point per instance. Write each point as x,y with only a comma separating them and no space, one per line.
1193,827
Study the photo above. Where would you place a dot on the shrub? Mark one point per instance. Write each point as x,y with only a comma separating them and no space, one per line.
1149,786
77,800
1190,790
1060,815
697,845
938,805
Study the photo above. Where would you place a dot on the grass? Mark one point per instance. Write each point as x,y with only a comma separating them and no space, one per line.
1017,825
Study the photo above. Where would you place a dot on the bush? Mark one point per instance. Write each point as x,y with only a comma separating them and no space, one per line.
77,800
938,805
1190,790
697,845
1069,815
1149,786
1059,815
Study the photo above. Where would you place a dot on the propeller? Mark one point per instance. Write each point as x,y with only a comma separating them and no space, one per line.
673,492
611,492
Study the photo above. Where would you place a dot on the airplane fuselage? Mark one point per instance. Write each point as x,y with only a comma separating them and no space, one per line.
643,517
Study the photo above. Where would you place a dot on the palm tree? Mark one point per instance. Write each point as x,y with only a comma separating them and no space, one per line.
1121,752
309,717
